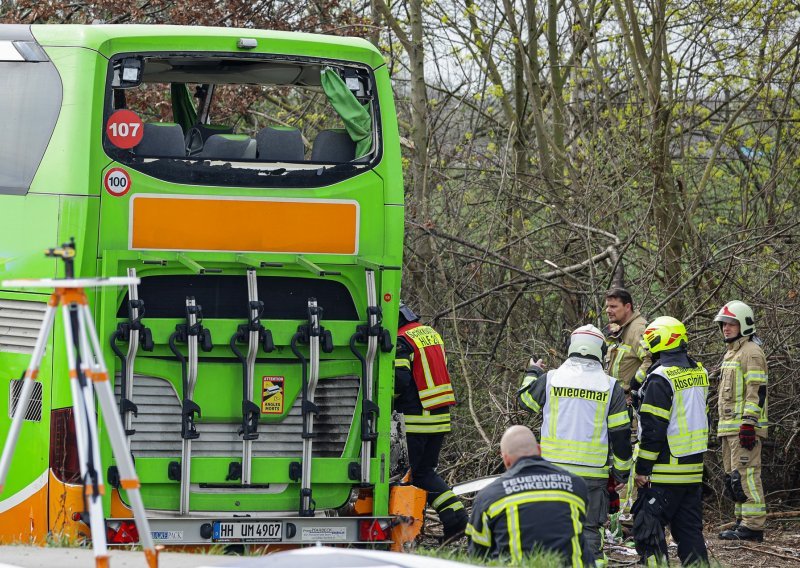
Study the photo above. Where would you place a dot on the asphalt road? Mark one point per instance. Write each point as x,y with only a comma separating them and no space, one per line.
36,557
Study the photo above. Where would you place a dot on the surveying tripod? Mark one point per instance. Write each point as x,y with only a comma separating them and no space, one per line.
87,375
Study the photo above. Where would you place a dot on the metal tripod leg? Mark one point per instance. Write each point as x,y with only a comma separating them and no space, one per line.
186,448
27,388
372,349
129,481
86,425
308,417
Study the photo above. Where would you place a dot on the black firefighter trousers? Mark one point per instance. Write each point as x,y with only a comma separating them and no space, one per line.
423,455
681,509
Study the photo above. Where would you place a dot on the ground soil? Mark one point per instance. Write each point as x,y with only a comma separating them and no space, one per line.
781,547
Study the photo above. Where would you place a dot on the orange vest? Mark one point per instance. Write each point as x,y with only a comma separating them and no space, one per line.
429,366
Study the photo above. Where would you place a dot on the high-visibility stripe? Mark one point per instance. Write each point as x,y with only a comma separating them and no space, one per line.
676,479
618,419
427,393
586,453
514,534
755,377
427,423
535,497
528,400
622,465
442,499
677,473
402,364
483,537
427,429
647,454
585,470
427,418
654,410
426,369
457,506
431,403
577,529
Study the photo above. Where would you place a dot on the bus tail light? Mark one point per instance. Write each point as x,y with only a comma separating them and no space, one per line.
64,460
373,530
123,532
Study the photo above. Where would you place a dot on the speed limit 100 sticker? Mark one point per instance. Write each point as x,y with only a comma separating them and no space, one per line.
124,129
117,182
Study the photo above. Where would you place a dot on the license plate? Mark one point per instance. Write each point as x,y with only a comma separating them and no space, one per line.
239,531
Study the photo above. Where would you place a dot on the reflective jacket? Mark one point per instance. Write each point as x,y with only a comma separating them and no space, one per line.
582,410
423,392
674,420
743,388
535,504
627,359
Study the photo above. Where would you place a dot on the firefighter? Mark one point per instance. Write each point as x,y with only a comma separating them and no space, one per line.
627,361
673,438
424,395
743,419
583,410
534,505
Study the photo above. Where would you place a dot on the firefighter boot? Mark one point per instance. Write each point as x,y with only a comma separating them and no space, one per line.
742,533
454,522
733,528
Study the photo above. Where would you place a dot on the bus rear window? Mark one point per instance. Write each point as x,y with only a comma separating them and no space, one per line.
241,121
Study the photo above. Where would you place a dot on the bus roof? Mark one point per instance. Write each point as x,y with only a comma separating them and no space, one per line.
110,39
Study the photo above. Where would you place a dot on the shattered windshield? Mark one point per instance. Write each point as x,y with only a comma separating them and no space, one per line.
241,121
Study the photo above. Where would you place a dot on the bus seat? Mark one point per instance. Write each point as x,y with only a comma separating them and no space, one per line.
280,144
199,133
162,140
229,147
333,146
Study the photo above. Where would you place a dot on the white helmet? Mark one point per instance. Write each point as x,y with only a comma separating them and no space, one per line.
587,341
740,312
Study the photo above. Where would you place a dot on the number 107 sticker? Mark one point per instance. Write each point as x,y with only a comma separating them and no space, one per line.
117,182
124,129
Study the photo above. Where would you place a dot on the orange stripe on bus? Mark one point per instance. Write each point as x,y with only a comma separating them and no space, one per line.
244,225
99,377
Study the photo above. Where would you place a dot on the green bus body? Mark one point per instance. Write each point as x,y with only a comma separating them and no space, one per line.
67,196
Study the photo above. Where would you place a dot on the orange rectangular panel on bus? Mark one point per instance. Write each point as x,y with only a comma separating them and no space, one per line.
244,225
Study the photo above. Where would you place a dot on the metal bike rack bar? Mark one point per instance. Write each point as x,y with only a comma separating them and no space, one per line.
190,333
256,337
317,338
135,333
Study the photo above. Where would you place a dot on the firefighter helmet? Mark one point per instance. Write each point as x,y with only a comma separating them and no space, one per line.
587,341
664,333
407,313
740,312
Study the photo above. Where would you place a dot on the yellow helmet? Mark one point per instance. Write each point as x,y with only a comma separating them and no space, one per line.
664,333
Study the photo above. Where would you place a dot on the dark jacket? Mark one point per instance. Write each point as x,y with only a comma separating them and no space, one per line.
547,506
655,457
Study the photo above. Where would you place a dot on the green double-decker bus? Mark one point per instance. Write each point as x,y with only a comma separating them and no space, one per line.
252,181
